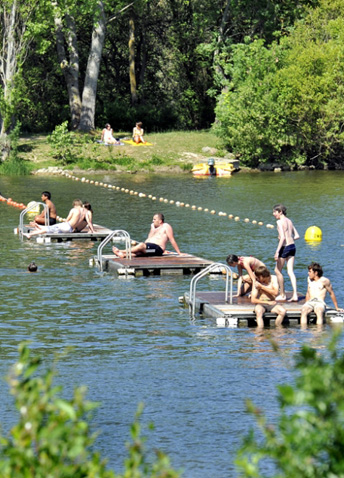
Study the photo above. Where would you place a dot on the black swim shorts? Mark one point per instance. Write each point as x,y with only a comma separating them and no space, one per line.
287,251
153,249
52,221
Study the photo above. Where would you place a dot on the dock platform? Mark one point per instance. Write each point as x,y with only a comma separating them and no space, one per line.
168,263
241,312
100,233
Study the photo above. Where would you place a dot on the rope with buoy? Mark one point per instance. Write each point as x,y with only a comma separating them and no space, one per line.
163,200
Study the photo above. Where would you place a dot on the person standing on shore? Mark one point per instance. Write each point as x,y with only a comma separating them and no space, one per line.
285,252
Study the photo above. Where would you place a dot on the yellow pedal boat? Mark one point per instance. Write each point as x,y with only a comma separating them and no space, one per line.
220,168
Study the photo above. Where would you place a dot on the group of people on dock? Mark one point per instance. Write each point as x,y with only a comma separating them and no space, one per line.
267,290
80,216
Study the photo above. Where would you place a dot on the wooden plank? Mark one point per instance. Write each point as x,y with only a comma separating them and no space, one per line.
213,305
100,233
169,263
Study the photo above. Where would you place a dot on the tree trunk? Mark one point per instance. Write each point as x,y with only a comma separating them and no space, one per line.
220,39
132,75
11,47
92,71
70,67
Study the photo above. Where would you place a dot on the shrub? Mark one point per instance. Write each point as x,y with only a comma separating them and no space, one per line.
308,440
52,437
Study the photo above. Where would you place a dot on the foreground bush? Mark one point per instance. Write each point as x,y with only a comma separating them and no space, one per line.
308,440
52,438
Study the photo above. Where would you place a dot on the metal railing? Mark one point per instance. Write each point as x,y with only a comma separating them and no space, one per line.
122,235
27,210
203,273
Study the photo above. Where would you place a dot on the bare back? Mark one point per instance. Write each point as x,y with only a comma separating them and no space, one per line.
286,231
75,216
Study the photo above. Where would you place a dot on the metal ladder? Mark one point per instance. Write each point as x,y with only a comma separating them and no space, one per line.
122,235
28,209
203,273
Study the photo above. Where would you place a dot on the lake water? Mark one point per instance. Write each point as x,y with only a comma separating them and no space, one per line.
131,340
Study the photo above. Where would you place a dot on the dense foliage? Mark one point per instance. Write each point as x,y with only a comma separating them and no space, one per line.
308,440
266,73
53,437
284,102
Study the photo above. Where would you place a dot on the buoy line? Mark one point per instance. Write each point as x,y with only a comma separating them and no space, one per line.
193,207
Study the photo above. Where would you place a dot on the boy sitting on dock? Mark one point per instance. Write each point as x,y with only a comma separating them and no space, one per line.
264,293
318,286
155,244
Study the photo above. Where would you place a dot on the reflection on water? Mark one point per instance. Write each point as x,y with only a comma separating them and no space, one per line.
131,341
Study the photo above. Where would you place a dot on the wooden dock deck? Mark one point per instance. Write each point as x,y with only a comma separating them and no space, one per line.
100,233
169,263
241,311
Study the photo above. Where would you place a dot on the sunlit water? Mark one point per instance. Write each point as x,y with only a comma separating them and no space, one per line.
131,340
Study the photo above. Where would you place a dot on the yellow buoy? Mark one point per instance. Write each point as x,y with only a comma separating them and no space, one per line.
313,233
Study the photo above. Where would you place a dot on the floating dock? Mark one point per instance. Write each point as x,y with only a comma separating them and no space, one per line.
100,233
241,312
168,263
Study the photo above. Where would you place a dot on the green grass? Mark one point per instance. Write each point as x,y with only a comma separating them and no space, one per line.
177,150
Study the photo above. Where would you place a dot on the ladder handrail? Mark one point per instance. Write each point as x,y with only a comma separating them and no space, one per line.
203,273
28,209
117,232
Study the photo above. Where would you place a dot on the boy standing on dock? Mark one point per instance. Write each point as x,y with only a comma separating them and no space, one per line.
264,293
318,286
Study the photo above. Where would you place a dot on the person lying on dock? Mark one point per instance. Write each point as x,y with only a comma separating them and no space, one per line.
264,293
155,244
318,286
249,264
73,218
40,219
87,218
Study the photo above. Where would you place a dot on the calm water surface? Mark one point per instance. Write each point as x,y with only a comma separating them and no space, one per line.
131,340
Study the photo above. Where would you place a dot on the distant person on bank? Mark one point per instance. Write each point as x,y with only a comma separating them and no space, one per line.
107,135
155,244
138,133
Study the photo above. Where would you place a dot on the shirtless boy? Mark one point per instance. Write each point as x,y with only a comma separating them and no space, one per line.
74,217
249,264
155,244
285,251
40,219
264,292
318,286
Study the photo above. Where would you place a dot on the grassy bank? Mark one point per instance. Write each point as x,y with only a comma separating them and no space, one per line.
172,151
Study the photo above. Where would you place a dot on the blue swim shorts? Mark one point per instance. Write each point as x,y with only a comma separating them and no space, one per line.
287,251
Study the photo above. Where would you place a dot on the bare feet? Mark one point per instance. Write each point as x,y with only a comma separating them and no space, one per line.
117,252
293,299
281,297
28,236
